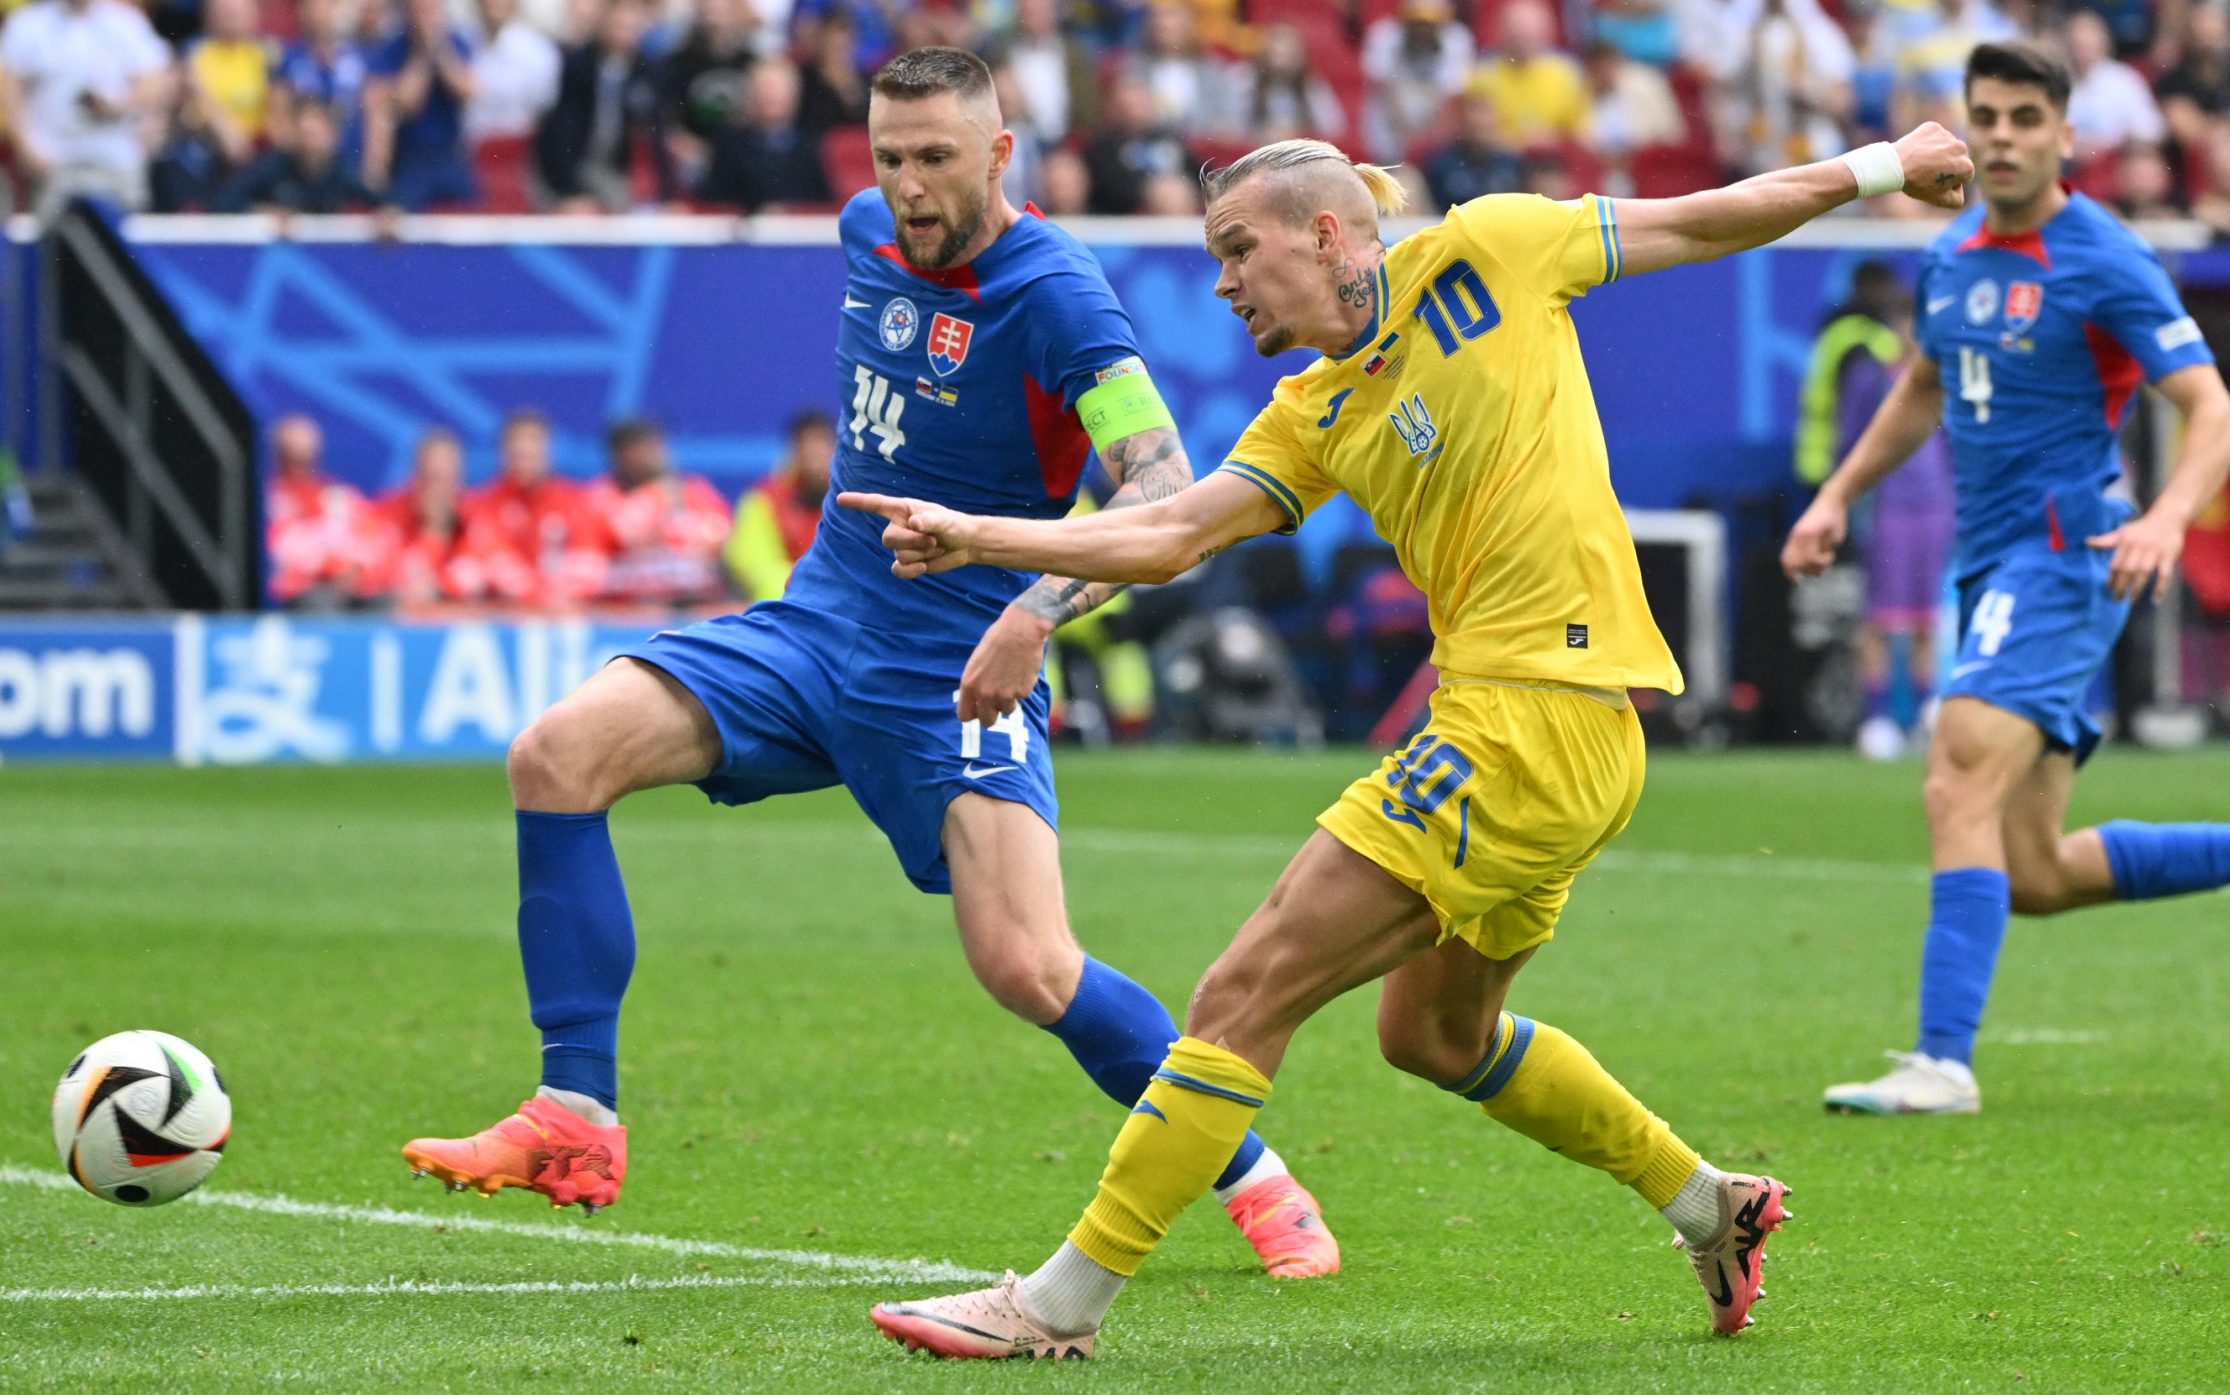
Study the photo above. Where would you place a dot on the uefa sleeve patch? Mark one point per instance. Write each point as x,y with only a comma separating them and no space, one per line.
1120,368
2177,333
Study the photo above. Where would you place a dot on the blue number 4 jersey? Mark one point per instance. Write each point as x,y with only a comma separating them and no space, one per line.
2041,340
957,386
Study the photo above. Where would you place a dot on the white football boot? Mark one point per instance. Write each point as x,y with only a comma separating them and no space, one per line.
1919,1085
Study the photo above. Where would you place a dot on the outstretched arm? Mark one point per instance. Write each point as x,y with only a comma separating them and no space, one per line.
2147,547
1908,416
1153,542
1701,227
1147,465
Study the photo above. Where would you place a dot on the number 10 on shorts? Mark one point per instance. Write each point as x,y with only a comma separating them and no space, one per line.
1427,773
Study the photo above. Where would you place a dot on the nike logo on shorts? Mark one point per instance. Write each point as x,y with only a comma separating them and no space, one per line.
1964,669
972,771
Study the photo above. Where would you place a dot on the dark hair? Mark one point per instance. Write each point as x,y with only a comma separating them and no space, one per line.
629,431
525,416
809,419
2021,63
927,71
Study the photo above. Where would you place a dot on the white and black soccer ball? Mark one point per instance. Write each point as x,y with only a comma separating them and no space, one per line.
141,1118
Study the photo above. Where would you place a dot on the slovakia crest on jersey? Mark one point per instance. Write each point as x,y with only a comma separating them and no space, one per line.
948,342
2023,301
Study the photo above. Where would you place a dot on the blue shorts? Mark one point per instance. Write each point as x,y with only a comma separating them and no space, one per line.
805,699
2034,631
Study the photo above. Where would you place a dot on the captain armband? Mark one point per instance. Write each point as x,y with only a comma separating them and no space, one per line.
1122,403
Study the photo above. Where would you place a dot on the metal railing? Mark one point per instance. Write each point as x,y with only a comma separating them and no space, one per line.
119,400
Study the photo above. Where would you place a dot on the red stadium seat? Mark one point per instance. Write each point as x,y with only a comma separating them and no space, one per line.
501,163
849,160
1667,171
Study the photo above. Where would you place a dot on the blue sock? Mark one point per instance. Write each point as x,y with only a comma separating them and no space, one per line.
2165,859
1119,1033
577,941
1967,910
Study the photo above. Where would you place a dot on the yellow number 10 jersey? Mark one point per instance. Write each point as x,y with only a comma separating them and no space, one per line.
1463,423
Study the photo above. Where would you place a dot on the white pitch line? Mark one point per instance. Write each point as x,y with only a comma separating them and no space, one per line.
865,1265
633,1283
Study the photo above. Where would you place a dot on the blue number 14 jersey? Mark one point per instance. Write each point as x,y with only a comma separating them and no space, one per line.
957,386
2041,340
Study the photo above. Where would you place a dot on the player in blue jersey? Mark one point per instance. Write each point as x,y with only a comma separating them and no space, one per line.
2037,317
982,358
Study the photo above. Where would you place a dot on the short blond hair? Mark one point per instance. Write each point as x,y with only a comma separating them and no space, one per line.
1308,161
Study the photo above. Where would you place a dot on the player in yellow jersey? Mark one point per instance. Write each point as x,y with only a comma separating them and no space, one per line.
1452,404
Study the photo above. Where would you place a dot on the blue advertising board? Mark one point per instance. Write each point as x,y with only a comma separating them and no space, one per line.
241,691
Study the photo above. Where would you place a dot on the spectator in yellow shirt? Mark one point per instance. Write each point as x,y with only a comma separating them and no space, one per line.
1537,91
230,68
776,521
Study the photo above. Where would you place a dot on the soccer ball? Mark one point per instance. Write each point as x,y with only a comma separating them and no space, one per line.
141,1118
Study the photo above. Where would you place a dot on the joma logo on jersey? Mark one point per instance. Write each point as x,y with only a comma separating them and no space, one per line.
948,342
1414,424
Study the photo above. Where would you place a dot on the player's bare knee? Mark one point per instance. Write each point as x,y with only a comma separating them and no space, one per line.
552,770
1035,987
2039,887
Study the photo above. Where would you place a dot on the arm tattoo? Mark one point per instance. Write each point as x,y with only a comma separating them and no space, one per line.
1150,465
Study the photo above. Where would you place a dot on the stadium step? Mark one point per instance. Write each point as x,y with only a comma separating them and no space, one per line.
68,560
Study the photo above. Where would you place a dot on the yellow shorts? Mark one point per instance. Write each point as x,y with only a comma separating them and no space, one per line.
1511,789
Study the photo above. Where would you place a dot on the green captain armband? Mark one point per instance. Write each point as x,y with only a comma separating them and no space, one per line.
1122,403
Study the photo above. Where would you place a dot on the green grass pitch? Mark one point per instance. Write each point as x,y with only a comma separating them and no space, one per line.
817,1092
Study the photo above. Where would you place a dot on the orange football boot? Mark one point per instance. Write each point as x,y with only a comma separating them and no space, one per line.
1286,1227
544,1148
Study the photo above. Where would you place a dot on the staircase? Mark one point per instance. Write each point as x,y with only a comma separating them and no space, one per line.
73,559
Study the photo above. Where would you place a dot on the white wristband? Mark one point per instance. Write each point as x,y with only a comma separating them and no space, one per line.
1877,169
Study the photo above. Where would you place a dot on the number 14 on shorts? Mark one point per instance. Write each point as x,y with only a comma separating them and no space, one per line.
1426,774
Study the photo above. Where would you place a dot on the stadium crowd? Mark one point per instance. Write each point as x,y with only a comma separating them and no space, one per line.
643,534
586,105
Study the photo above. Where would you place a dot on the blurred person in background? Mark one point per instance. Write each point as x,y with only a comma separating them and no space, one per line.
831,92
2213,207
1630,106
1055,74
608,107
1906,541
1475,161
663,531
1281,96
2110,105
1024,180
1129,147
874,26
1413,60
766,158
514,74
420,555
1643,30
530,529
1068,184
2144,185
1536,88
1191,89
414,99
702,82
777,518
1929,55
314,527
2195,91
302,174
1171,196
322,65
1787,103
229,69
84,88
192,162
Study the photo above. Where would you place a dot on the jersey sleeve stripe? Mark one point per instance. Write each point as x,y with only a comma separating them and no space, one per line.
1271,486
1606,226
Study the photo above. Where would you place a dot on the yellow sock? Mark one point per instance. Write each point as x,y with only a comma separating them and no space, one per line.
1548,1087
1179,1136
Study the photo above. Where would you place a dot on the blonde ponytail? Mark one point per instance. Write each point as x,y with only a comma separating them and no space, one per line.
1385,190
